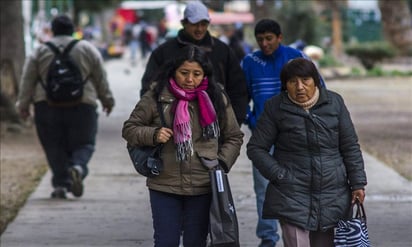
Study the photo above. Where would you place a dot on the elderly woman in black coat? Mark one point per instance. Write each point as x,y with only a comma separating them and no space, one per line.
317,169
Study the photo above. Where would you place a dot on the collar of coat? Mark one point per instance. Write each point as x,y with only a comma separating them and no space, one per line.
206,43
287,104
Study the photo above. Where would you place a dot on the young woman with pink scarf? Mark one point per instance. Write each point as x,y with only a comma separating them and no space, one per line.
201,130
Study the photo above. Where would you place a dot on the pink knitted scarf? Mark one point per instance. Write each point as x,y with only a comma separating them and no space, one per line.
181,124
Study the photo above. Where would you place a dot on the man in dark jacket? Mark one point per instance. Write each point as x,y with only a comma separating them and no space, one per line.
227,69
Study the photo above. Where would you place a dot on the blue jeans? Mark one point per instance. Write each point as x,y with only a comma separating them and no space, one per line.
175,215
67,135
266,229
134,45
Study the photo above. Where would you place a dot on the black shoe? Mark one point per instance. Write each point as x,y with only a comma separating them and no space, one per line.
77,181
267,243
59,193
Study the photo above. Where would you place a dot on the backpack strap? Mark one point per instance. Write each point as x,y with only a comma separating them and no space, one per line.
53,47
66,50
70,46
56,52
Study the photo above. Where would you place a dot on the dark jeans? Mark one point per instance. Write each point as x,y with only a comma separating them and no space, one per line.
68,136
174,215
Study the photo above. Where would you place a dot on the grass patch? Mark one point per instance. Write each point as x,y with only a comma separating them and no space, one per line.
15,197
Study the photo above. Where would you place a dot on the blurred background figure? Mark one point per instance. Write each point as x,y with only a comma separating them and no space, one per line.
146,39
45,33
315,53
131,39
234,39
298,44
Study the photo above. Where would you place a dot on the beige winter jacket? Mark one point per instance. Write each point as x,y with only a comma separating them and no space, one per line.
91,66
183,178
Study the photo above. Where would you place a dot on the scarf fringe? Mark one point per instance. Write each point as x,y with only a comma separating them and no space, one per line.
183,132
184,150
212,130
184,146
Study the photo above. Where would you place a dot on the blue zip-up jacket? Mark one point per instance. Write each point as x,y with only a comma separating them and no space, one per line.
263,77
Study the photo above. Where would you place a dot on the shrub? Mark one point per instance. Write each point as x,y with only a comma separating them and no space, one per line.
328,61
369,53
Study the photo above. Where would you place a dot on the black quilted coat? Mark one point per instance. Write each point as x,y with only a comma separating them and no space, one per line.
316,164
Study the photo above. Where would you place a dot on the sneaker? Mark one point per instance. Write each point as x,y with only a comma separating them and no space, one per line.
267,243
59,193
77,181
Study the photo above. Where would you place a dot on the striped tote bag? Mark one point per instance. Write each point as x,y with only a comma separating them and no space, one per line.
353,232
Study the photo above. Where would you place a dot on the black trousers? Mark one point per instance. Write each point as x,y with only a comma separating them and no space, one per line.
68,136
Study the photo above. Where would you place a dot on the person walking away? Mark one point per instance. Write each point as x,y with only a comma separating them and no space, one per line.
262,71
67,130
317,169
131,34
203,132
227,72
231,38
145,40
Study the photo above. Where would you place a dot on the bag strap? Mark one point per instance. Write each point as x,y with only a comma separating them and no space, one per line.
56,52
360,210
53,47
70,46
66,50
163,122
160,110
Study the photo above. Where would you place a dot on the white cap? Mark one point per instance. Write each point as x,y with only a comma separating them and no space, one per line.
195,12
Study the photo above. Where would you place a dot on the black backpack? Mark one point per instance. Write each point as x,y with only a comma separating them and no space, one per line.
64,82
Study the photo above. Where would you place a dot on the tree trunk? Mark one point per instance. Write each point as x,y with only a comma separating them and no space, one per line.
12,55
336,32
397,24
262,9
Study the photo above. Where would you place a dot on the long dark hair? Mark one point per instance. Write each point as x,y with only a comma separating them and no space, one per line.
191,53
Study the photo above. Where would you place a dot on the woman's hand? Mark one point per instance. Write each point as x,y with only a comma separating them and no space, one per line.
358,194
163,135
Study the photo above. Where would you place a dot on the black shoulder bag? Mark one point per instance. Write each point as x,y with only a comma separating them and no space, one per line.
146,159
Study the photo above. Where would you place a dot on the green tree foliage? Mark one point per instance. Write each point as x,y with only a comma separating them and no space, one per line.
94,6
74,7
299,21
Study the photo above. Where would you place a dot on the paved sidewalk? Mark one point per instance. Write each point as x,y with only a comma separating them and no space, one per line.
114,210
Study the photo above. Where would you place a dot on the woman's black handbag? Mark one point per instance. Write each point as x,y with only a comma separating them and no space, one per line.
353,232
223,228
146,159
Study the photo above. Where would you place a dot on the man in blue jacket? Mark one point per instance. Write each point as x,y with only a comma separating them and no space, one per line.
262,71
